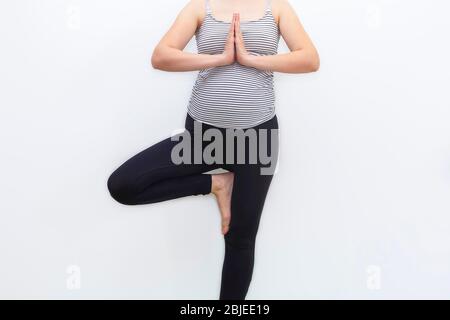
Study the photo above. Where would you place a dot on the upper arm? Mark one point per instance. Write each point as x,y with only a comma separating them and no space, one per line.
291,28
184,27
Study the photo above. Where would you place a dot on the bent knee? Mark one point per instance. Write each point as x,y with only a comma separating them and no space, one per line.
120,189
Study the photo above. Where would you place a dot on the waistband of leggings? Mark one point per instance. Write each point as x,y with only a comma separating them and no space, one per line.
272,123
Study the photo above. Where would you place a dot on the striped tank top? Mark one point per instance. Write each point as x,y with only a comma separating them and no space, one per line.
235,96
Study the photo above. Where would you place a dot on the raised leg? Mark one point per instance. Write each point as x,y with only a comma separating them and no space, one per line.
151,176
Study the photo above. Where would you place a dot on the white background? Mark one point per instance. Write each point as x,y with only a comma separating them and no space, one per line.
360,205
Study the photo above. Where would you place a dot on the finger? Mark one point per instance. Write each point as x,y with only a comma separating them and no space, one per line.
238,34
237,39
236,27
233,23
238,24
231,31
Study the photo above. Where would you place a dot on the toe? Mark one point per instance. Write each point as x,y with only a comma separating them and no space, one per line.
225,229
225,224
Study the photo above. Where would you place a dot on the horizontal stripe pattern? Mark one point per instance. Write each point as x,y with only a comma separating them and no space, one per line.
235,96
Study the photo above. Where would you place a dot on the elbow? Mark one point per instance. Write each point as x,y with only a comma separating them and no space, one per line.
156,60
308,61
314,63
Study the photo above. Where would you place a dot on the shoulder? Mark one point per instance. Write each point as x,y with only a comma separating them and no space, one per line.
280,8
193,9
197,5
197,8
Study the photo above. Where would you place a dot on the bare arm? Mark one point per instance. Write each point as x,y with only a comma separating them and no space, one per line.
303,56
168,55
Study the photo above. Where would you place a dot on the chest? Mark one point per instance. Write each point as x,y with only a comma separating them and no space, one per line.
260,36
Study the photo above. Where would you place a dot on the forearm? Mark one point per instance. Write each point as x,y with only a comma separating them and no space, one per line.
171,59
299,61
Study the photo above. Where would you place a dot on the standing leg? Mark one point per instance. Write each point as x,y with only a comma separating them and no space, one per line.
250,188
249,193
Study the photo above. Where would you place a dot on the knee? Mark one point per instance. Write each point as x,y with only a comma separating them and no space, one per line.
120,189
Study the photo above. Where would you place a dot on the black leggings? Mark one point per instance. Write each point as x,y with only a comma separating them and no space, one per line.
151,176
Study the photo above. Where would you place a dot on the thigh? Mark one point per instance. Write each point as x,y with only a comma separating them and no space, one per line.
156,163
249,193
251,185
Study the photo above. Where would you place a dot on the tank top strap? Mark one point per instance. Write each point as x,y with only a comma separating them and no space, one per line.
268,5
207,7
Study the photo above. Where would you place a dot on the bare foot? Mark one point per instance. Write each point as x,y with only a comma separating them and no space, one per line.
222,187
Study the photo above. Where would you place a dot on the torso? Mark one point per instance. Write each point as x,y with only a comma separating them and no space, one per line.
235,96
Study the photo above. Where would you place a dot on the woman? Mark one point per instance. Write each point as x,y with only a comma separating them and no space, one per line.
237,43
